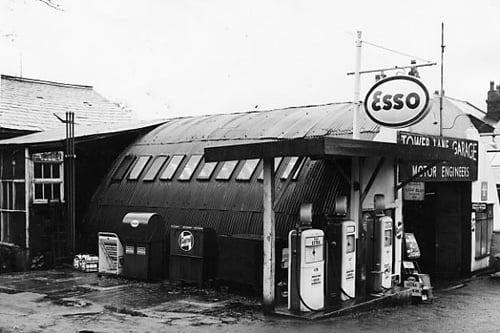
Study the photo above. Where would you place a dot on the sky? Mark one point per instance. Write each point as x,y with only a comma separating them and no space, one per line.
171,58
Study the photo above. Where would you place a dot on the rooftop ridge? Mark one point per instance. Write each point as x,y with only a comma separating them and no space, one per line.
46,82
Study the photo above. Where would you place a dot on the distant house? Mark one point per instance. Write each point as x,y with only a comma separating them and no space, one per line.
30,105
33,169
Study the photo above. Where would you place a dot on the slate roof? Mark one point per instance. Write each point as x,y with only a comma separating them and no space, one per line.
36,105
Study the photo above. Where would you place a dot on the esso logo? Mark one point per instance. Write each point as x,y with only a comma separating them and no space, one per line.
397,101
186,241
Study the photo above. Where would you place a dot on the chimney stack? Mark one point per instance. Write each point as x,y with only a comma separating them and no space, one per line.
493,102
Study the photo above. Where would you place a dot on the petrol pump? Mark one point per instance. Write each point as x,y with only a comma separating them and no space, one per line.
341,259
306,265
381,272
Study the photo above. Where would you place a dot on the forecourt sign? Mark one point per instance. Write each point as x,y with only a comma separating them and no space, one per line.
465,171
397,101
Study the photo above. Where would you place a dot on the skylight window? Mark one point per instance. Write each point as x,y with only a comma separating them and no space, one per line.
289,167
227,170
248,169
207,170
153,171
138,167
190,167
123,167
172,167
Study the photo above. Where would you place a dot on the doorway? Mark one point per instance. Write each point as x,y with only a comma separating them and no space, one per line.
441,224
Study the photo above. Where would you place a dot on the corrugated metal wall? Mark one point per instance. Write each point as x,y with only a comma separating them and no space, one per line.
230,207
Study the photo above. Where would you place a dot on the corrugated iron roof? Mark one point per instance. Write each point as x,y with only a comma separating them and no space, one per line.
35,105
296,122
81,131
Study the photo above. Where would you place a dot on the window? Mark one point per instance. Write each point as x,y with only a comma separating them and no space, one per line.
289,167
484,228
158,163
123,167
277,162
172,167
138,167
207,170
248,169
296,174
190,167
48,177
227,170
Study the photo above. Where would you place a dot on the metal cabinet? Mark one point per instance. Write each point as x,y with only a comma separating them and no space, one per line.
193,252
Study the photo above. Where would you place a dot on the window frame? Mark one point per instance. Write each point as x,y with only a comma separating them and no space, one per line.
123,167
483,227
176,158
251,171
228,176
201,176
154,168
189,170
146,159
42,182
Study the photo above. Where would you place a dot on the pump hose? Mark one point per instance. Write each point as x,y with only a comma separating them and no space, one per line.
337,274
297,284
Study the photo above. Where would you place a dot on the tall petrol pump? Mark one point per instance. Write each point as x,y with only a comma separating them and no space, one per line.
341,259
383,242
306,263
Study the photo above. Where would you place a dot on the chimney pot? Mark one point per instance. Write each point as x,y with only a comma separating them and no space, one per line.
492,85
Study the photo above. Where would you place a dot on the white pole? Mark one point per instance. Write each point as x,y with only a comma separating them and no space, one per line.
357,87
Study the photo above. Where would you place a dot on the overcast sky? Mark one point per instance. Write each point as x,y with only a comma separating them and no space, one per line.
166,58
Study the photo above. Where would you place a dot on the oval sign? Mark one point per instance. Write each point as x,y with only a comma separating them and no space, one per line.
134,223
186,241
397,101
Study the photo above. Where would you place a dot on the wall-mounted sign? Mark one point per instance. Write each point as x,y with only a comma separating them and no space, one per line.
443,171
484,191
414,191
186,241
397,101
49,157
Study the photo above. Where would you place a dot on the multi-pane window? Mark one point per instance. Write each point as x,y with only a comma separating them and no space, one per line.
190,167
158,163
48,177
138,167
172,167
227,170
207,170
484,228
123,167
247,169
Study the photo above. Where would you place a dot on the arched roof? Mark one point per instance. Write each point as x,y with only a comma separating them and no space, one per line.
296,122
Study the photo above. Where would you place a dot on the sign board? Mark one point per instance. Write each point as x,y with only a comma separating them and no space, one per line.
484,191
443,171
48,157
479,207
397,101
412,249
414,191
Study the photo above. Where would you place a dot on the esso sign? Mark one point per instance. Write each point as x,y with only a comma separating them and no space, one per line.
397,101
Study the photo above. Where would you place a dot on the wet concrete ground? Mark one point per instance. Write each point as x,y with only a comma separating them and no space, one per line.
71,301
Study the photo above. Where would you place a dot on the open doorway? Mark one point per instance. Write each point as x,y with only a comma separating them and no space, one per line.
441,224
